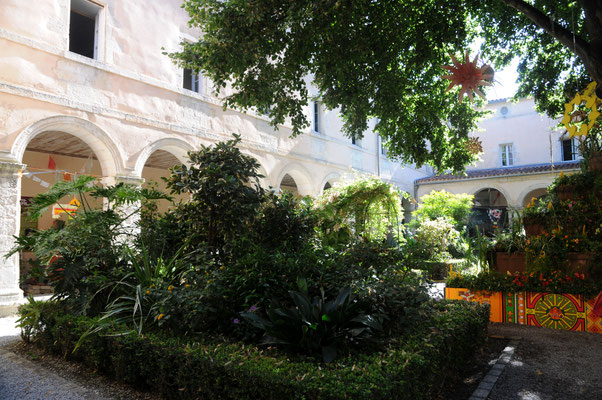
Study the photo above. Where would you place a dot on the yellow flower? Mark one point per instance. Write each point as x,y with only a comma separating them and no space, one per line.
208,282
561,174
159,317
170,287
148,292
550,205
187,285
222,268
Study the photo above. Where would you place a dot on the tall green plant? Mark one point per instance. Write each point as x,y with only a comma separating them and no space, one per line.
223,184
365,207
85,254
437,204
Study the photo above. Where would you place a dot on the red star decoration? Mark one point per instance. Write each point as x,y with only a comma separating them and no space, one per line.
468,76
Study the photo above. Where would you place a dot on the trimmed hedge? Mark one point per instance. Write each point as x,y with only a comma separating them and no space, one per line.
418,367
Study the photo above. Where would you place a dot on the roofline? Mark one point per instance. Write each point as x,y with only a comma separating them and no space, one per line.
418,183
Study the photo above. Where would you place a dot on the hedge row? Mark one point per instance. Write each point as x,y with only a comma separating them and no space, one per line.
418,367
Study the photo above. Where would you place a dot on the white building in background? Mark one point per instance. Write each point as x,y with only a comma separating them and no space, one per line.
523,152
85,88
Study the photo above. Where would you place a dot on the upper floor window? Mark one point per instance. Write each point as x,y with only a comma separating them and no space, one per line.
83,28
569,149
192,81
317,117
356,142
383,148
506,155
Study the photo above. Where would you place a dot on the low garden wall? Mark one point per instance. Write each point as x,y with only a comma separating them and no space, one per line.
571,312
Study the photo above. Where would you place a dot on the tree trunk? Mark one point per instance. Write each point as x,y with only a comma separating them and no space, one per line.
590,52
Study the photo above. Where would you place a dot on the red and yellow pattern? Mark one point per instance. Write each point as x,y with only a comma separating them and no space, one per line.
556,311
593,322
548,310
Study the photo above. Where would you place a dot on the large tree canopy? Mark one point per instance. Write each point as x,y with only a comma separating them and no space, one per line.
382,59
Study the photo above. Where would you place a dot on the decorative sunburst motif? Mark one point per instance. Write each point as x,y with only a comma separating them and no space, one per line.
468,76
581,113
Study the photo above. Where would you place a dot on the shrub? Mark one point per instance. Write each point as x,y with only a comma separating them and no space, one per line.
225,195
441,204
417,366
553,282
365,207
318,325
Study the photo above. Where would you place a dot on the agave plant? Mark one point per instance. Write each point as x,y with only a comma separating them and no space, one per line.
316,325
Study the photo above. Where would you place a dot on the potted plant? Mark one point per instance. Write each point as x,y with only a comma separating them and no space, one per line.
509,248
535,216
591,148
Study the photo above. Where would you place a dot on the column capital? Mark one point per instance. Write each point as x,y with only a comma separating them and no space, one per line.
10,167
126,179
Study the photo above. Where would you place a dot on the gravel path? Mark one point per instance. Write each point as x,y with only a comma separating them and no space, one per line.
21,379
550,365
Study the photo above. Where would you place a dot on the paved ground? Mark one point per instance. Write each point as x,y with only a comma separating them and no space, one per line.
550,364
21,379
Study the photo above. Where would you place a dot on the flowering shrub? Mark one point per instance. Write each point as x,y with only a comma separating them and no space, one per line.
432,240
554,282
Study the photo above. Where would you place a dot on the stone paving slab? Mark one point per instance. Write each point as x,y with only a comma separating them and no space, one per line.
549,364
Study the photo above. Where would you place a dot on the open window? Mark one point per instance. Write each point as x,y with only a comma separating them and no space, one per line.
569,149
317,117
84,28
506,155
192,81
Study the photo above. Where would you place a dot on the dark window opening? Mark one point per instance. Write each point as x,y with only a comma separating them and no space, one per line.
568,150
191,81
82,31
316,116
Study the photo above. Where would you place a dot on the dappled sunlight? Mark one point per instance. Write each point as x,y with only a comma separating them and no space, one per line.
527,395
8,327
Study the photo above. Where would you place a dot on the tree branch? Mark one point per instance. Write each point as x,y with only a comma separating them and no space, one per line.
580,46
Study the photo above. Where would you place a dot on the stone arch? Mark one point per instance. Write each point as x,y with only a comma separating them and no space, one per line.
108,154
301,177
530,192
177,147
329,179
501,192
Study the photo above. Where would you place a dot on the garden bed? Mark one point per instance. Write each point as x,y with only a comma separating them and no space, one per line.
418,366
564,311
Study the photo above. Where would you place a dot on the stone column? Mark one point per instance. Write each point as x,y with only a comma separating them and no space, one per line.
10,219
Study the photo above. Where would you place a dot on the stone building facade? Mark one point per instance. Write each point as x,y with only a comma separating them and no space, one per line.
85,88
523,152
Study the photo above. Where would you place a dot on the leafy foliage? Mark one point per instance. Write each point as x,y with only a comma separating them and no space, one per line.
456,207
225,194
365,207
316,325
551,282
87,253
372,59
363,58
556,61
418,366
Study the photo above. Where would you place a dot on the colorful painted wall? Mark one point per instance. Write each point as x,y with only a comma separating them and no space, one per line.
548,310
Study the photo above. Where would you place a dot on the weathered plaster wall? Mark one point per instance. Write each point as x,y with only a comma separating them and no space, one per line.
535,137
